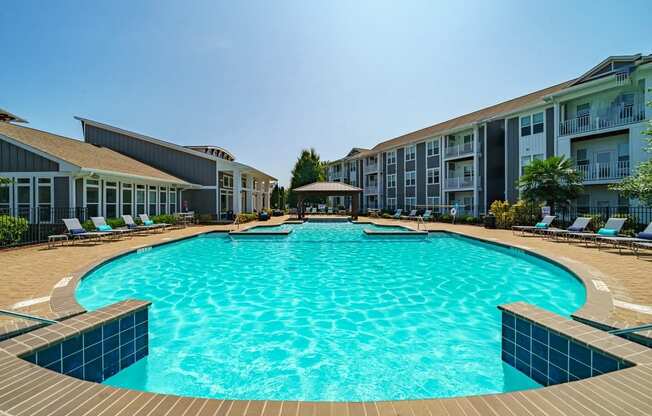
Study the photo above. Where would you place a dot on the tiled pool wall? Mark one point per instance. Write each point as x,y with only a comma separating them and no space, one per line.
100,352
550,357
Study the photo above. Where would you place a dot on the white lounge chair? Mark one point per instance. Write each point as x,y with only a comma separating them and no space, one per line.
101,226
146,221
578,226
131,224
412,215
621,242
427,215
613,224
397,214
546,221
77,232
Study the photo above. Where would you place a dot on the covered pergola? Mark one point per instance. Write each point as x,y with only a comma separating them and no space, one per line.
326,189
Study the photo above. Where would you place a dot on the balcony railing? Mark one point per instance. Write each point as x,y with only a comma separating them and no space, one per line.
625,114
459,150
459,182
370,168
371,189
604,171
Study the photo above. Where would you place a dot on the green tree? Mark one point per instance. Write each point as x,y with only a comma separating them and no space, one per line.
308,169
553,181
639,184
277,197
5,181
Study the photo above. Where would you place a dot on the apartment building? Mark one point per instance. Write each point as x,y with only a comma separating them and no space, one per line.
114,172
470,161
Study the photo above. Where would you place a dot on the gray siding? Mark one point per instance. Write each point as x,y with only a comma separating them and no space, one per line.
201,200
550,132
61,192
400,179
194,169
384,164
17,159
421,173
479,169
512,159
79,192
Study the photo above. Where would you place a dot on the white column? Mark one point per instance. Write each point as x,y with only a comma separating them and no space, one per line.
217,190
268,191
237,188
250,193
475,170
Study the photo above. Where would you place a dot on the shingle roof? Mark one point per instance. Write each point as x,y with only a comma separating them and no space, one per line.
82,154
327,187
467,119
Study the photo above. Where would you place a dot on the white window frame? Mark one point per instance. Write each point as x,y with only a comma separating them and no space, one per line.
163,205
105,199
430,146
7,207
413,180
227,182
151,189
408,205
391,157
431,201
99,195
50,186
391,203
391,180
127,187
140,188
412,151
172,196
428,172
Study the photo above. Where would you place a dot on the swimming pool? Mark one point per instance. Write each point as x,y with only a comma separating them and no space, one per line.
327,313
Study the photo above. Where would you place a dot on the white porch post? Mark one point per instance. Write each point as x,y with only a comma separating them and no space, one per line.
237,188
217,190
250,193
268,205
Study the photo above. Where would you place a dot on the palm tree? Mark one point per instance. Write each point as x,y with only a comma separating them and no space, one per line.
553,181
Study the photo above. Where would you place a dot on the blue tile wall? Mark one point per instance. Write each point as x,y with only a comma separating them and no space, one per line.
99,353
548,357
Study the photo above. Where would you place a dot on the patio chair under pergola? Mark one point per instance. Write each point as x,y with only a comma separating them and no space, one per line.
326,189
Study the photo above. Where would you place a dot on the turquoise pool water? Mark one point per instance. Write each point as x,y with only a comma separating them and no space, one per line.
327,313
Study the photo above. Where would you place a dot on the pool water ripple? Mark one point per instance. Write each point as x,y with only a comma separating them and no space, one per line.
327,313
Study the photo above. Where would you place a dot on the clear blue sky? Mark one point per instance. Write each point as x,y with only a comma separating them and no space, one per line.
267,78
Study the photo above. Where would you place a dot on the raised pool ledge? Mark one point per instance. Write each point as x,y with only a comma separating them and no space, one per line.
93,346
552,349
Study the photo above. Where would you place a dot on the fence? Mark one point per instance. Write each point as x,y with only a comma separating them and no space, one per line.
640,216
28,225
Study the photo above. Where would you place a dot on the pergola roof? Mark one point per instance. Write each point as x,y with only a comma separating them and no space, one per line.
328,188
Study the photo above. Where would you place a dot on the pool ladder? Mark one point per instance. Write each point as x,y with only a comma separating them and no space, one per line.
419,222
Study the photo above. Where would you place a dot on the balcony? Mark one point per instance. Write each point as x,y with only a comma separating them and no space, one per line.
618,116
463,149
371,189
459,182
596,172
371,168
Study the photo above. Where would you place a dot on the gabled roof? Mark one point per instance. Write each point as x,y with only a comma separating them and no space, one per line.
612,65
327,187
84,155
468,120
7,116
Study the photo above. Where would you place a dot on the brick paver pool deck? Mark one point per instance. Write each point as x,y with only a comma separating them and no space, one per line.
619,293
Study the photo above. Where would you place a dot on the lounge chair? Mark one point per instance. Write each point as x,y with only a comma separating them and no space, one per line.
643,238
77,232
397,214
101,225
329,211
128,219
427,215
411,215
578,226
146,221
613,226
540,226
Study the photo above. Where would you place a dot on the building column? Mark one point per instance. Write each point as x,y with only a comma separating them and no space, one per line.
217,191
268,195
476,137
237,188
250,194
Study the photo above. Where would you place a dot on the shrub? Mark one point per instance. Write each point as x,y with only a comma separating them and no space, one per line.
470,219
113,222
12,229
244,217
386,215
525,213
446,218
501,211
163,218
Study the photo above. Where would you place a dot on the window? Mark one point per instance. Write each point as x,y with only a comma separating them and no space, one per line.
411,178
111,200
391,180
5,199
432,202
92,197
163,201
152,200
432,148
391,158
410,203
227,181
127,198
432,176
173,201
391,203
583,114
526,128
140,199
44,201
410,153
537,123
525,160
243,182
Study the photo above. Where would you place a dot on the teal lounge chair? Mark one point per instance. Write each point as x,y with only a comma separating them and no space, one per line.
610,229
397,214
427,215
541,226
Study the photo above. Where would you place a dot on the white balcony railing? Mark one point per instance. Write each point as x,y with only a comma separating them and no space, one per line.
620,116
460,182
459,150
371,189
604,171
370,168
